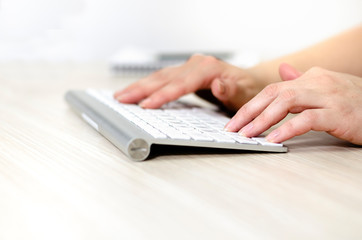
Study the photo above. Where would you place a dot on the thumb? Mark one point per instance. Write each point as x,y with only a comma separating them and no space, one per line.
220,90
218,94
288,72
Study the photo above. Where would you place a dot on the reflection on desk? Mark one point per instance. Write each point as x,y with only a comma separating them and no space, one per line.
60,179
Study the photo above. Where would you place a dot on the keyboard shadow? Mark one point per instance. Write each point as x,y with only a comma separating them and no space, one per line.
310,142
173,150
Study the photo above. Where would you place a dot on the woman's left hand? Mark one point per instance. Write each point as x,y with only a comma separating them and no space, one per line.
325,100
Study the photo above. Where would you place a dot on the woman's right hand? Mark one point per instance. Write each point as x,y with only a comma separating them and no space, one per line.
231,85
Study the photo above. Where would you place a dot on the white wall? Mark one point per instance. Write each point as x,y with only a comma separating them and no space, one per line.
95,29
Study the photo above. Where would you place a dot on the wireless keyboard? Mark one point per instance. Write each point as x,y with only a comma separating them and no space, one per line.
134,129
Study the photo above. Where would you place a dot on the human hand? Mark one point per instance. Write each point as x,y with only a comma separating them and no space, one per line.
229,84
326,101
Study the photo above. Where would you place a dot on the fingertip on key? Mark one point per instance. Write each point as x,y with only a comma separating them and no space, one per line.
273,136
145,103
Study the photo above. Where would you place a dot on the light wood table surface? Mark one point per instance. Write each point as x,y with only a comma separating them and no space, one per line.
60,179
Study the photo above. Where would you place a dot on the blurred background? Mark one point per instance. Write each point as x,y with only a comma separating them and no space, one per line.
94,30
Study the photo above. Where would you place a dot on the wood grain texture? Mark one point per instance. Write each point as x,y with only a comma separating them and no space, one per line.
60,179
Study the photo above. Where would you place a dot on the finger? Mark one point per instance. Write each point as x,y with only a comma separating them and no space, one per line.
146,86
224,91
311,119
129,88
139,84
164,95
175,89
287,72
138,91
219,89
254,107
292,100
190,79
131,95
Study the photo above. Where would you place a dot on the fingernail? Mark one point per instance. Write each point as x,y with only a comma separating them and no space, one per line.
229,126
226,128
244,131
221,86
121,97
272,137
145,103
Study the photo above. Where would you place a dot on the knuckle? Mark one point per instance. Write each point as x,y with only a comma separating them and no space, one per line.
244,110
196,58
177,88
326,79
158,75
293,128
316,70
164,75
310,117
271,90
322,76
263,118
301,123
209,61
288,95
179,85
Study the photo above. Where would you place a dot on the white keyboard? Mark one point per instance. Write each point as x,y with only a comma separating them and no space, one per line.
176,123
178,120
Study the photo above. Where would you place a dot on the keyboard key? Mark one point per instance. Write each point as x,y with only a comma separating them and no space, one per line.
218,137
200,137
264,142
241,139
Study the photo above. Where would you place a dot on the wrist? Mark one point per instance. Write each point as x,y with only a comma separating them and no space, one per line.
264,73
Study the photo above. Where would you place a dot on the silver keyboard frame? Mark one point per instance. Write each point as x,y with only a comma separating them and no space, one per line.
131,139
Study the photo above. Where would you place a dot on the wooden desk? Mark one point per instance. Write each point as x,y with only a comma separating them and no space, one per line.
59,179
